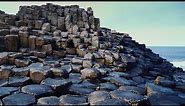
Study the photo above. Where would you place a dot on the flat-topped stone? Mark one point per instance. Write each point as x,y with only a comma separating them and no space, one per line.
50,100
73,100
37,90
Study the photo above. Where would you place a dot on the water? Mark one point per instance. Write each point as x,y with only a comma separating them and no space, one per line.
175,55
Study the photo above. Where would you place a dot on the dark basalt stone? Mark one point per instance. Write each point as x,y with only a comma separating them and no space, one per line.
129,97
4,91
107,86
78,90
60,86
112,101
50,100
18,81
19,99
37,90
97,96
133,89
73,100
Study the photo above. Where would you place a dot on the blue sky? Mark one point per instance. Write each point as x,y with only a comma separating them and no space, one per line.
151,23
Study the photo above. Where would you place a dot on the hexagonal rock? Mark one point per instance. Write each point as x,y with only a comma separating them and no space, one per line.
3,57
90,73
77,60
128,97
60,72
4,91
11,42
46,27
19,99
22,71
32,42
22,62
78,90
73,100
59,53
109,102
5,72
74,78
155,89
50,100
107,86
13,56
121,81
133,89
98,96
68,68
59,86
76,68
40,73
17,81
37,90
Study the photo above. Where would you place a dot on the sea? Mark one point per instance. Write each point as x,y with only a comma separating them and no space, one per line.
175,55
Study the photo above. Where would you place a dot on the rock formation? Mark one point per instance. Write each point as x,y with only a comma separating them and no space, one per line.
59,55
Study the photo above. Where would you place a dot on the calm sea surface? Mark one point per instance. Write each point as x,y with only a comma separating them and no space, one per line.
175,55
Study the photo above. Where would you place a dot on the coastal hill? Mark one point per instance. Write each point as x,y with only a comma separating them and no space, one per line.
60,55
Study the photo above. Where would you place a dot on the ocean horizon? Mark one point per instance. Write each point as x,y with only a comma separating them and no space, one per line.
173,54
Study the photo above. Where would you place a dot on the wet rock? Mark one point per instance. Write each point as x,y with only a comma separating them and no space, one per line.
11,42
90,73
19,99
50,100
111,102
23,71
17,81
136,71
59,86
133,89
104,71
40,73
37,90
98,96
107,86
4,91
73,100
129,97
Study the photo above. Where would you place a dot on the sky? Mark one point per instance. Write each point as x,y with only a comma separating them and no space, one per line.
150,23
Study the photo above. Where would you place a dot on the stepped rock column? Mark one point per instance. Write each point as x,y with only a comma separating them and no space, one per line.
11,43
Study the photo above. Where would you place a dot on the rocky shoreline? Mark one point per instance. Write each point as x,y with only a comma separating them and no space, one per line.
59,55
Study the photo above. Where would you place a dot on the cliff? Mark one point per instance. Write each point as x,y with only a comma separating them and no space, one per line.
53,55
